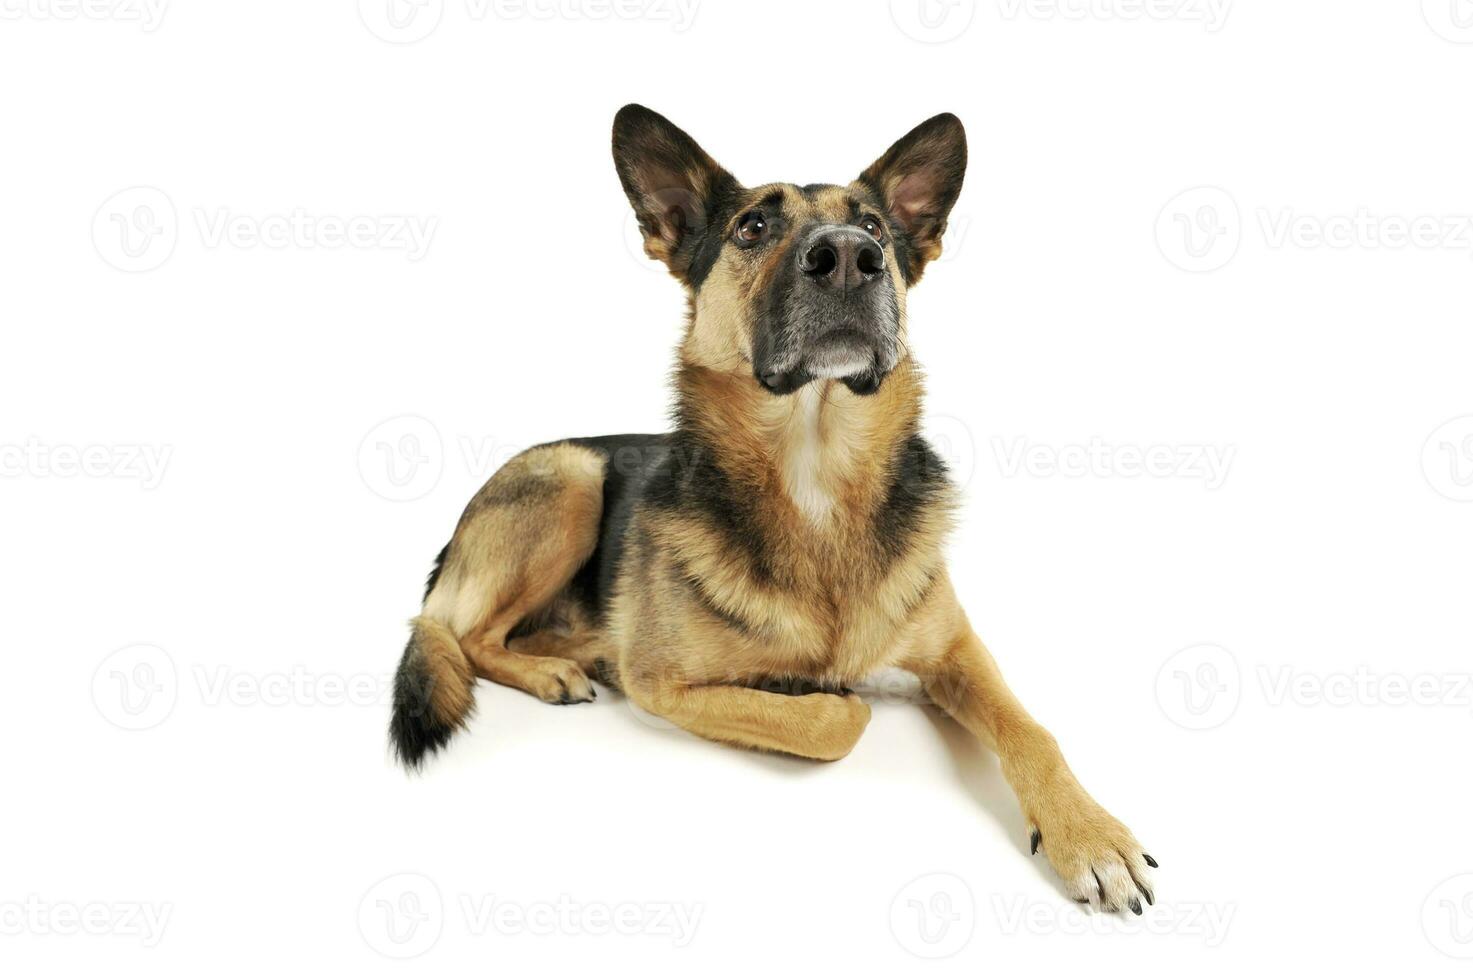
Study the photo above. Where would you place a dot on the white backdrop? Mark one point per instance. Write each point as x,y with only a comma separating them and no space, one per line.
282,283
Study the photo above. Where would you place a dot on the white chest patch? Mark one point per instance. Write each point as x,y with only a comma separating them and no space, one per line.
803,464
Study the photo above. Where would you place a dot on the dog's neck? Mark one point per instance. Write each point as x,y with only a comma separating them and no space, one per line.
819,459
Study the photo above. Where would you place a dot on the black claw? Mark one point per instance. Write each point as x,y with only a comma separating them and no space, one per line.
1150,860
1135,905
1034,841
1137,882
1082,901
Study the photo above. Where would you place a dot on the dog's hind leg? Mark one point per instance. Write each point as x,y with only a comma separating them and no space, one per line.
519,543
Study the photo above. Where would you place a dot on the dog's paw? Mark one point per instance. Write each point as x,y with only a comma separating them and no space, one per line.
559,681
1100,861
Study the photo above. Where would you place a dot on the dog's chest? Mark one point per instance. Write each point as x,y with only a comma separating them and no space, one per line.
842,606
843,629
808,462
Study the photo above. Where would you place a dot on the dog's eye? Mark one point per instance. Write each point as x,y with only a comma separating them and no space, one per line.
872,225
752,228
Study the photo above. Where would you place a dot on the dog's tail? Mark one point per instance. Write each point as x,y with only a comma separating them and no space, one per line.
432,691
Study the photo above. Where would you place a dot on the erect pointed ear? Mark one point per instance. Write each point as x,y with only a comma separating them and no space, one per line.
918,179
676,189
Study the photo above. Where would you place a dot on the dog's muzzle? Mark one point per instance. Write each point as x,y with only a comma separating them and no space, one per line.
835,315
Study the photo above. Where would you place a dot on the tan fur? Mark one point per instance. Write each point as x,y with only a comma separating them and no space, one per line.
831,613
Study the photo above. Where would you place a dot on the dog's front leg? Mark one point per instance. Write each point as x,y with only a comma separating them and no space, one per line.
1097,857
814,726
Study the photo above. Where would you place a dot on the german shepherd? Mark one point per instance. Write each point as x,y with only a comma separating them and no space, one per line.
737,574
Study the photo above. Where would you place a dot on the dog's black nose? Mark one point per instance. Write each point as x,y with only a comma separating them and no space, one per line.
841,258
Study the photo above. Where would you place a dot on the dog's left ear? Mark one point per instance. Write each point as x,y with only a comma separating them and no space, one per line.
674,185
918,179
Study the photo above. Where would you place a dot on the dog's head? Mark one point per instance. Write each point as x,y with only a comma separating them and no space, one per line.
792,283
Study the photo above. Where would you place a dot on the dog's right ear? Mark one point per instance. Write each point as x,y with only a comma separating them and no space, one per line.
673,184
919,179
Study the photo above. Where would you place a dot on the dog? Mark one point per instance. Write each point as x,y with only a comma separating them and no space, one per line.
738,574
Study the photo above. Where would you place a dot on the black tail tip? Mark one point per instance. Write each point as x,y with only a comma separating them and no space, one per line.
415,731
416,735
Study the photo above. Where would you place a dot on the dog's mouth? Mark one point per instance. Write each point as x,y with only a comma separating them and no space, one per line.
846,353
